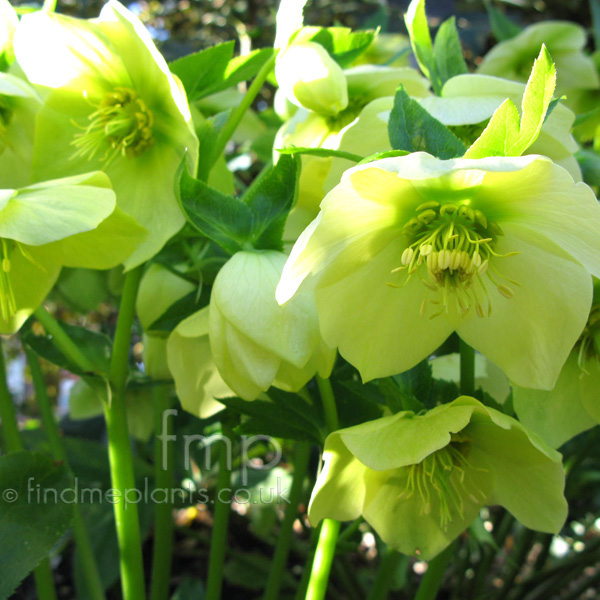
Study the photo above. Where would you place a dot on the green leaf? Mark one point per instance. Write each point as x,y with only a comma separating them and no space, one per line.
595,10
356,402
270,199
589,163
413,129
343,44
33,517
380,155
323,152
506,134
448,52
215,69
502,27
95,346
398,395
420,40
288,416
223,219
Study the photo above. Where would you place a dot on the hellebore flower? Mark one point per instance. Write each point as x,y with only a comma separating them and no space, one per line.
310,78
159,289
255,342
71,222
407,250
19,105
8,25
420,480
198,382
113,105
574,404
565,41
310,129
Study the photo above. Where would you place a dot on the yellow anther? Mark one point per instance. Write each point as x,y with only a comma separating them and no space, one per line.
407,256
425,249
444,259
506,291
6,265
455,259
483,267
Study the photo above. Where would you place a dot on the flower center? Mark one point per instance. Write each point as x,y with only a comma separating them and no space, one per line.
121,124
453,245
443,480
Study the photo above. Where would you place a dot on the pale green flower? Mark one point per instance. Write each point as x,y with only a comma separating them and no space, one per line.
112,105
574,404
71,222
310,78
159,289
390,49
19,105
198,382
255,342
420,480
565,41
366,83
407,250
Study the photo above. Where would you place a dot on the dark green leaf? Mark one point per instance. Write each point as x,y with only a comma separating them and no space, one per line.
276,419
223,219
399,396
324,152
413,129
343,44
595,10
589,162
380,155
357,403
447,52
502,27
270,199
33,516
96,347
215,69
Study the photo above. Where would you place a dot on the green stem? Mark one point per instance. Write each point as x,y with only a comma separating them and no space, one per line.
317,586
68,347
329,405
434,576
164,475
515,562
44,581
303,584
218,544
84,549
284,541
385,574
467,369
321,567
235,117
119,448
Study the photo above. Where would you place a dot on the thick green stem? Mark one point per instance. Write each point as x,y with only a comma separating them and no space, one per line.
317,586
235,117
385,575
434,576
218,544
467,369
68,347
84,549
119,449
284,540
329,405
321,567
164,475
44,581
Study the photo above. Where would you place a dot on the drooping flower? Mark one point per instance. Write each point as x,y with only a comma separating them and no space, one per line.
420,480
366,83
198,383
565,41
71,222
112,105
408,249
255,342
573,405
159,289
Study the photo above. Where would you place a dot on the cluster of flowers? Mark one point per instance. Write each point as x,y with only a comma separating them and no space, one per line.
389,257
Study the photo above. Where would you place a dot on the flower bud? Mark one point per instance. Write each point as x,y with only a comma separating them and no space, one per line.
310,78
255,342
